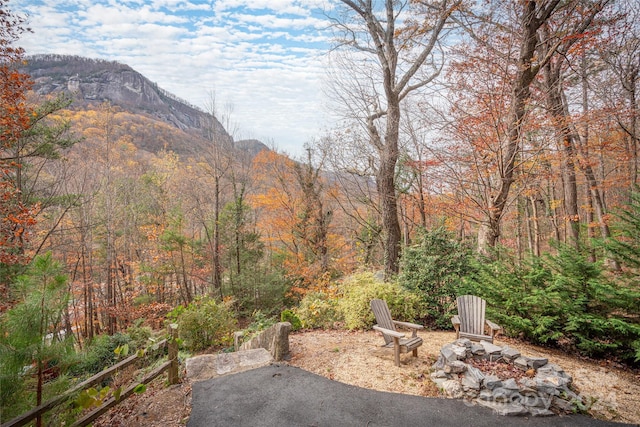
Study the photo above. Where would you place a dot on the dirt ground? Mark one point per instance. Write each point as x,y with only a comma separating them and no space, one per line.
357,358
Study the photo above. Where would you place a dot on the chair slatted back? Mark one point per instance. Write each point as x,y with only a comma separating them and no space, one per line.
471,310
383,317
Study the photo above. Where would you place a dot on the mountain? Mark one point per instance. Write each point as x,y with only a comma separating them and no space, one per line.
250,146
91,82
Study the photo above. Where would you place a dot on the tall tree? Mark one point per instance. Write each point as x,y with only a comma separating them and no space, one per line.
396,53
512,33
294,214
355,195
44,294
554,37
619,49
313,222
16,216
218,159
29,140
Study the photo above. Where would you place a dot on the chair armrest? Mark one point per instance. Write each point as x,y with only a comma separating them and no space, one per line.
455,320
408,325
493,326
389,332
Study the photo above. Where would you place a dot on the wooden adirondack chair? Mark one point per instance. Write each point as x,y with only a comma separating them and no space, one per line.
470,322
387,326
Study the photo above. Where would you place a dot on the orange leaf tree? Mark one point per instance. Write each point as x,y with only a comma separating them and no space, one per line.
15,216
295,221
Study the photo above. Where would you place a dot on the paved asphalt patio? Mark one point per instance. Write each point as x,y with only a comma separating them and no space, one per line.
283,396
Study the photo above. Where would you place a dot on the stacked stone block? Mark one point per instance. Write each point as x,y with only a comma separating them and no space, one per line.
545,391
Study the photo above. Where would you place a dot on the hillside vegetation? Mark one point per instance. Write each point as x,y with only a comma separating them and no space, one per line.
125,209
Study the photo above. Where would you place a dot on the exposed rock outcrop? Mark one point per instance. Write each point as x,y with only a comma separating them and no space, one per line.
91,80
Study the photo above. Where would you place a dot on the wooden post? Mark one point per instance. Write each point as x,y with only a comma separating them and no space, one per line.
396,350
173,354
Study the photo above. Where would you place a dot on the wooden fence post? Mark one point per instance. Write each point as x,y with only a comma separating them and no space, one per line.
173,354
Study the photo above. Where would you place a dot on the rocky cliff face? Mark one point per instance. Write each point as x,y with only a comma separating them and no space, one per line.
90,80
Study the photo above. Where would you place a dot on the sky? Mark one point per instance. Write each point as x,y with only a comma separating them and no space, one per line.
263,59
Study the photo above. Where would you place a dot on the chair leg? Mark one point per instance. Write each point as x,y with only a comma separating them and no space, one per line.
396,350
415,352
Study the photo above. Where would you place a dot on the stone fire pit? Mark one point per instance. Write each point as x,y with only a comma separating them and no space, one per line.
502,379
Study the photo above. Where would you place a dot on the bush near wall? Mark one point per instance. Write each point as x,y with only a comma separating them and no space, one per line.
206,322
351,304
318,310
357,293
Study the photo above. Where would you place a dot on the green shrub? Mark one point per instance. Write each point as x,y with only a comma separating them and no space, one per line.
357,293
139,334
260,323
291,317
563,300
173,315
626,244
143,299
99,354
318,310
434,270
204,323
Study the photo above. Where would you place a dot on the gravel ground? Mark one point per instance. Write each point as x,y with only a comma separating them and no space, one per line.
357,358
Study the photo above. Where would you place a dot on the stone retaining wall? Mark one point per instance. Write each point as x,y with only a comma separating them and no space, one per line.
275,339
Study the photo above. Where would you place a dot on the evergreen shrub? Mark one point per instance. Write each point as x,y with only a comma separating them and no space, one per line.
206,322
563,300
626,244
139,334
434,269
291,317
99,354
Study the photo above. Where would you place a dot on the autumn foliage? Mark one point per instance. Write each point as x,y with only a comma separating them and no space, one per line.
297,222
148,216
16,216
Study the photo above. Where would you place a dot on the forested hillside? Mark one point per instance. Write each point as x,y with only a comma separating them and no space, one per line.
485,148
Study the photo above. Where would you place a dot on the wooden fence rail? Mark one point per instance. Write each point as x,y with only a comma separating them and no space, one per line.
171,366
87,419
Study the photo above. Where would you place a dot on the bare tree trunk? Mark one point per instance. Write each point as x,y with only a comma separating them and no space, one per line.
590,220
111,294
594,195
562,129
422,205
554,211
536,14
535,223
521,211
387,192
398,75
185,282
530,21
633,127
217,269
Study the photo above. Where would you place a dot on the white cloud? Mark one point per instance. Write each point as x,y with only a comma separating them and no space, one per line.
259,55
100,14
274,22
